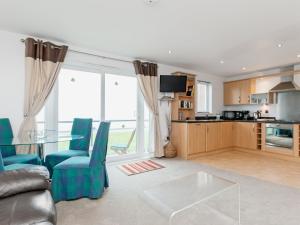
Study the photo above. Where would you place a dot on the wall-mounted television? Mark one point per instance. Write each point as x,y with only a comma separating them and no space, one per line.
171,83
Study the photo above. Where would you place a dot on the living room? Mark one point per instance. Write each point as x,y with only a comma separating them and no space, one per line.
149,112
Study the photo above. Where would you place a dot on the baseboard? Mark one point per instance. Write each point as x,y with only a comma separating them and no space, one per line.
203,154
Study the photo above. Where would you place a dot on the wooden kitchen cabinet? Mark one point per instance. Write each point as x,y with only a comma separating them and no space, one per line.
213,136
247,87
196,138
238,92
245,135
231,93
227,134
189,139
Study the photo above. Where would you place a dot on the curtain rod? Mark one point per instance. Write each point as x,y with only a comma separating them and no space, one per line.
91,54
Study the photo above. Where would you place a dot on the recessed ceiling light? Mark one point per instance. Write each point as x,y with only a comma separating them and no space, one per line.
170,52
222,62
279,45
298,56
243,68
151,2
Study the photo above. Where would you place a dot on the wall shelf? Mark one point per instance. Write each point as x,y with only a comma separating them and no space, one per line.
183,104
185,108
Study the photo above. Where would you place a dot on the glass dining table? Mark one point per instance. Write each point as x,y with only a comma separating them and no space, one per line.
39,140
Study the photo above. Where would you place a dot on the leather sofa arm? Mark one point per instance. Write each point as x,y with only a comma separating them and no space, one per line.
34,178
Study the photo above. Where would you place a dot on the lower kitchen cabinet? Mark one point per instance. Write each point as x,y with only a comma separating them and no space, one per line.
214,136
227,135
192,139
245,135
196,138
189,139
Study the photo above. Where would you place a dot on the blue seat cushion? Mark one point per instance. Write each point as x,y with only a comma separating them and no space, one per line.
53,159
74,162
17,166
22,158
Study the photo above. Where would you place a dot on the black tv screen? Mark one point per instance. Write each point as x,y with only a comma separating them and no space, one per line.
171,83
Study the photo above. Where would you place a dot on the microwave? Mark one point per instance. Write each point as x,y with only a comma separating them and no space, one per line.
235,115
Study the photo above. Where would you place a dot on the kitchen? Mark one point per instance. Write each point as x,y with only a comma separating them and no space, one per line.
261,115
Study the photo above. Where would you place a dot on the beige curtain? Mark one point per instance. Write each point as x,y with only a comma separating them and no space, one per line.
43,61
148,83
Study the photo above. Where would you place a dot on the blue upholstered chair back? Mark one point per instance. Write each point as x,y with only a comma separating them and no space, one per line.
100,146
6,132
81,127
1,163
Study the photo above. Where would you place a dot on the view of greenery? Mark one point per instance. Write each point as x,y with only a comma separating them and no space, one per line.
115,137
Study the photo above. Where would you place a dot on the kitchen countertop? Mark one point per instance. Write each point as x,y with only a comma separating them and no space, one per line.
246,121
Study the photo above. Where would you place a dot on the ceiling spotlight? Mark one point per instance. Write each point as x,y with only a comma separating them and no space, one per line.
279,45
222,62
151,2
298,56
170,52
243,68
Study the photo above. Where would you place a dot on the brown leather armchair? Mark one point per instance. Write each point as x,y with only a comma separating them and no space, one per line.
25,197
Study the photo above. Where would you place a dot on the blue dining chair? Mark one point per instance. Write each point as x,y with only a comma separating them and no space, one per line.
79,147
11,166
83,176
9,152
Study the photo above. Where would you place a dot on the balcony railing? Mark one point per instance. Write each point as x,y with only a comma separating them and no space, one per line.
120,133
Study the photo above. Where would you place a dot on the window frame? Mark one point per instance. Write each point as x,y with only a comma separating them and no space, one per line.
208,107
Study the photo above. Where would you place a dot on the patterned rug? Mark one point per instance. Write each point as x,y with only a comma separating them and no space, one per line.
139,167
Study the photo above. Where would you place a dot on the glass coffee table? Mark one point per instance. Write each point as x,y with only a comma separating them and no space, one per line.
196,199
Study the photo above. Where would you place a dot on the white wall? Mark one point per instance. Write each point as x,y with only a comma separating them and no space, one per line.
12,76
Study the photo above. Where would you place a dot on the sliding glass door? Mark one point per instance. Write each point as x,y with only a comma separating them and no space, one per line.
121,110
79,96
102,96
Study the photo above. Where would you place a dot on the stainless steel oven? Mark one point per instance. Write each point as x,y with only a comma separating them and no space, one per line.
279,135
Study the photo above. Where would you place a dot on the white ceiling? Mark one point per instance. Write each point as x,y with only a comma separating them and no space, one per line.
200,33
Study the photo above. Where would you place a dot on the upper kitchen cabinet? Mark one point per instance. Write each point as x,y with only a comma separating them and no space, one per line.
231,93
238,92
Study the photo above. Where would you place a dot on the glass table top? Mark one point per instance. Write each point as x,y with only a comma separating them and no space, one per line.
40,138
175,195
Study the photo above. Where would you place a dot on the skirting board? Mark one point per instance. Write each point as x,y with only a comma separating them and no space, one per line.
203,154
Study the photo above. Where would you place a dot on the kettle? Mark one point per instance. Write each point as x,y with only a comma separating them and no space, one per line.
257,114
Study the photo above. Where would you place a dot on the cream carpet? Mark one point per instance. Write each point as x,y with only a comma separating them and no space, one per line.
262,203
